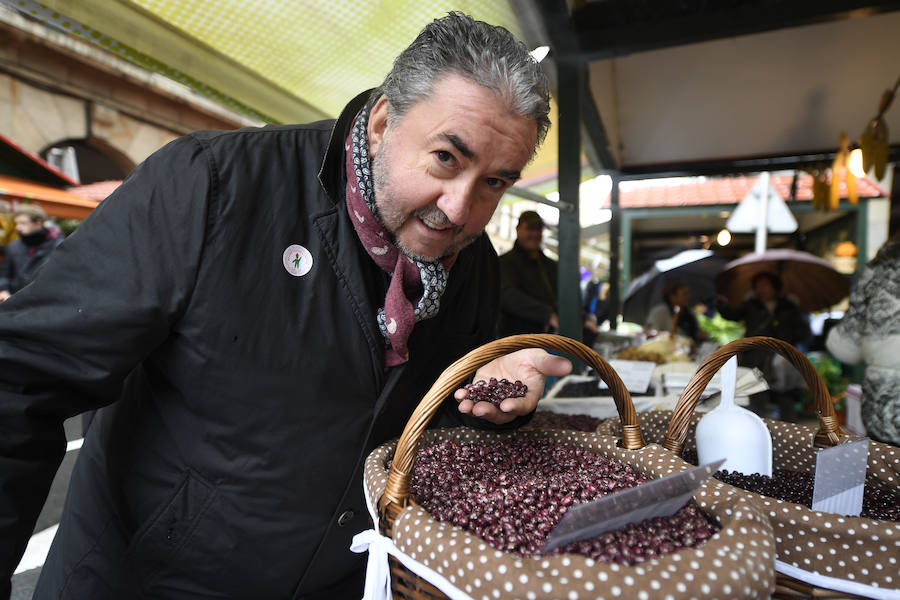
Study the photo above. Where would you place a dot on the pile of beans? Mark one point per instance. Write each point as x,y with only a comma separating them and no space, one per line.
545,419
495,391
879,502
512,493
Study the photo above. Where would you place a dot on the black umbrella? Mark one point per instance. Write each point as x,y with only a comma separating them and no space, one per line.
810,281
695,268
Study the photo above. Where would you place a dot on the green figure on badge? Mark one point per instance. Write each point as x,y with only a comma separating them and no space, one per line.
297,260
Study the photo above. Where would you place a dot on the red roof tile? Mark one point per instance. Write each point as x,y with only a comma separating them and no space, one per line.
694,191
96,191
28,164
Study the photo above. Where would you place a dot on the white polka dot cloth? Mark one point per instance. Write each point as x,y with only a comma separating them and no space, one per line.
738,562
823,549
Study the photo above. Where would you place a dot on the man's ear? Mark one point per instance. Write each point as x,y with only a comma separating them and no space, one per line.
378,121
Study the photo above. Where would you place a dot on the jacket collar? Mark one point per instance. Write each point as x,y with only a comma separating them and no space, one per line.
331,173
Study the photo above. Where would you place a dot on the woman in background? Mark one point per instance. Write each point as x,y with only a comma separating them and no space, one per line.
676,295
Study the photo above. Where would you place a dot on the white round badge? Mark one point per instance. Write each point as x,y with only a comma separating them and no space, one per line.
297,260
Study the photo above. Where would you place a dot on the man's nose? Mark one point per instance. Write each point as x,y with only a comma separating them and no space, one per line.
456,201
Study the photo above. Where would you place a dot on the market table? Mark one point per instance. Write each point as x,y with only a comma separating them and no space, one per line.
665,385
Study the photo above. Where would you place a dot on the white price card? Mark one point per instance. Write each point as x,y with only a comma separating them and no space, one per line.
635,374
841,478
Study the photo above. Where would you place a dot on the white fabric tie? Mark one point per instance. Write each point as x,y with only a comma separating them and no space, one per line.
378,575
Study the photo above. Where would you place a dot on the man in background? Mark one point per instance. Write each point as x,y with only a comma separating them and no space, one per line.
528,282
25,255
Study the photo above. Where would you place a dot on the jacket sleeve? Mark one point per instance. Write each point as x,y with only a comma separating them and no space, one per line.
6,273
102,302
659,319
800,332
732,314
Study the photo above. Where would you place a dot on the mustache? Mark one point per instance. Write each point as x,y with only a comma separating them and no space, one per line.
435,215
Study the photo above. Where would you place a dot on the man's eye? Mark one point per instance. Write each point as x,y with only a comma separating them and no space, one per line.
444,156
495,182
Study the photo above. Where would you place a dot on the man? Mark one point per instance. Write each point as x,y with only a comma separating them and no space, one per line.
256,310
528,282
25,255
768,312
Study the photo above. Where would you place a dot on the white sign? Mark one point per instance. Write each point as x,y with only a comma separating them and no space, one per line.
746,217
635,374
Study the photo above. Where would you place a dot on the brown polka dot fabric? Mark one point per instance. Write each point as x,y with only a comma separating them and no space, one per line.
863,551
738,562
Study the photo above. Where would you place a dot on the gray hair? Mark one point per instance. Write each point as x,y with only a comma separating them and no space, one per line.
486,54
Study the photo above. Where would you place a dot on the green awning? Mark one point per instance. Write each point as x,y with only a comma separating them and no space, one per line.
283,61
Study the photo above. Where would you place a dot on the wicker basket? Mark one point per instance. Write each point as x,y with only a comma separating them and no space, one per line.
430,559
819,554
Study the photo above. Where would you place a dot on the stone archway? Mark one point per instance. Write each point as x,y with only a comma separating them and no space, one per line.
38,119
97,159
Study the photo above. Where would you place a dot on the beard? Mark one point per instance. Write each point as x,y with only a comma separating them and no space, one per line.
391,216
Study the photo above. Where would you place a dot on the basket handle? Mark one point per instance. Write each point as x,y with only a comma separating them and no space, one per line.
396,493
829,432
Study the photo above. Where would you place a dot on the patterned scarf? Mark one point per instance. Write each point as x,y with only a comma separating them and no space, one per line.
415,290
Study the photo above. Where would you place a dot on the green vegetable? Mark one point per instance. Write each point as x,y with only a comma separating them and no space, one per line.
720,329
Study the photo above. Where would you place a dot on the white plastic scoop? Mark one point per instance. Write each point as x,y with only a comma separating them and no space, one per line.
734,433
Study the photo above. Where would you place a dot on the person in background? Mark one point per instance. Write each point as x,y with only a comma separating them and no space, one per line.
596,307
529,282
25,255
596,300
768,312
253,312
869,333
676,296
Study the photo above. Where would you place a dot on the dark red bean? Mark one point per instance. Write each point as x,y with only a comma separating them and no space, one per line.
879,502
495,391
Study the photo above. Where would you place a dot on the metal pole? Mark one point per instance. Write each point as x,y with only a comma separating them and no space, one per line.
569,292
763,227
615,227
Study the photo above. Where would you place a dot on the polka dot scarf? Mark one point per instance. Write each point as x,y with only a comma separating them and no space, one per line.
415,291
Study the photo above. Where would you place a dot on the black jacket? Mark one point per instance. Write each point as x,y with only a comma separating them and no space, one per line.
786,323
240,400
527,292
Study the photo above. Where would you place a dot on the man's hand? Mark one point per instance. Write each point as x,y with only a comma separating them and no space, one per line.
4,295
530,366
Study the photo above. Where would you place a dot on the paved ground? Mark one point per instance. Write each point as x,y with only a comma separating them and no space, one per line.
23,583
